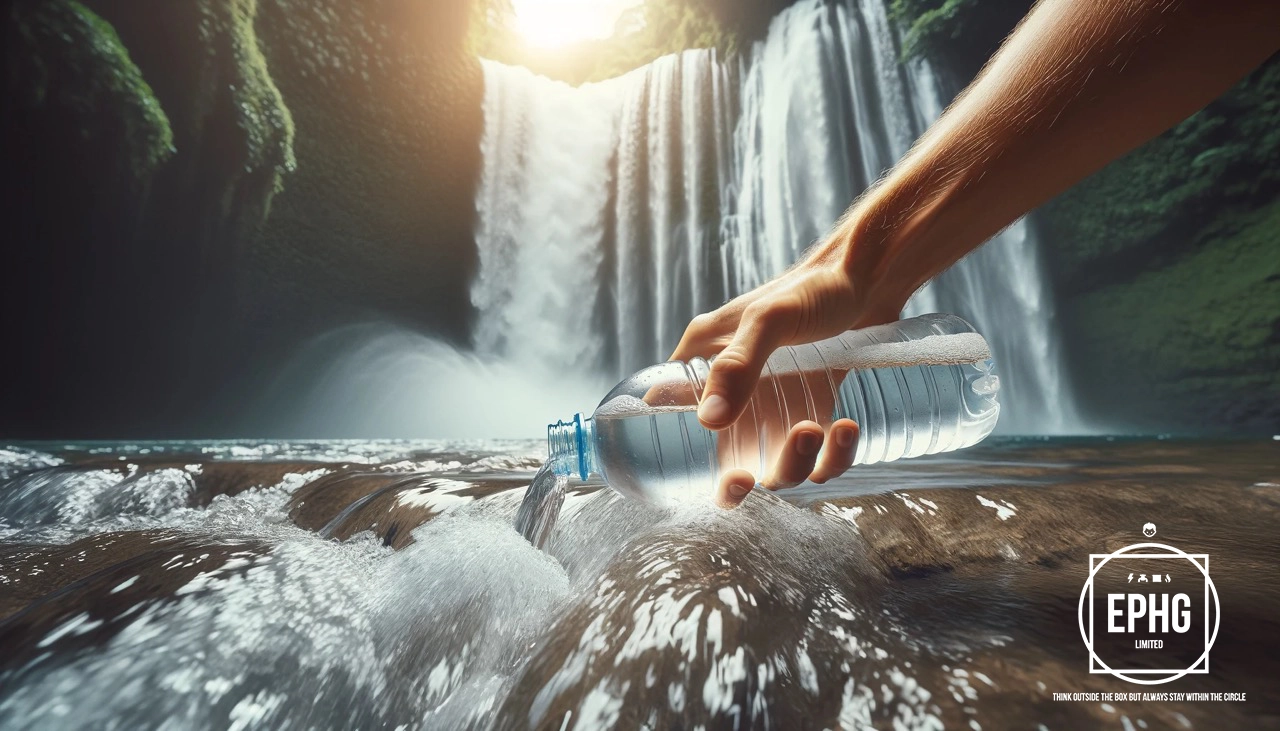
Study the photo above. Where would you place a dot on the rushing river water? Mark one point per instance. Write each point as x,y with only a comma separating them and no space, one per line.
383,585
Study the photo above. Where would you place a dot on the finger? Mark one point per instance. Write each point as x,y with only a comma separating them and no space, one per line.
799,454
841,446
701,336
765,325
709,333
734,488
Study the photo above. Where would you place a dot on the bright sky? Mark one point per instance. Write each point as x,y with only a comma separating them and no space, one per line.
552,23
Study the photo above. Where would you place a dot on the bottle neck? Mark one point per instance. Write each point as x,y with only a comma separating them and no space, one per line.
571,447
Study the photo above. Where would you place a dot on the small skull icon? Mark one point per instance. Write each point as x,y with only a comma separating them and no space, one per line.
1149,530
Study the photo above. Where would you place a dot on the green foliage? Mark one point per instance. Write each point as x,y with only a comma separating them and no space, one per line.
1169,260
670,26
69,61
1200,335
960,34
931,23
674,25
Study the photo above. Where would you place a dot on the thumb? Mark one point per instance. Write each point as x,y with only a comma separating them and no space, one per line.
735,371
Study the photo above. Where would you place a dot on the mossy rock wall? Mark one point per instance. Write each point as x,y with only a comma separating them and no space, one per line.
1192,344
378,216
197,186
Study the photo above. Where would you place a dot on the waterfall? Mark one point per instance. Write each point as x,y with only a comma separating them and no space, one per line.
547,150
611,213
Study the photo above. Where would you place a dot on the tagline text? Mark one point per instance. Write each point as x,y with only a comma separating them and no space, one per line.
1100,697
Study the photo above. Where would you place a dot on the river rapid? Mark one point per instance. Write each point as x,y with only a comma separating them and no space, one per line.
382,585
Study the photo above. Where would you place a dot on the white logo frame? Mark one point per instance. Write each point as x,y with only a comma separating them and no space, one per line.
1201,665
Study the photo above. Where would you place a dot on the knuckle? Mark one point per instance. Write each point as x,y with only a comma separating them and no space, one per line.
732,362
776,316
702,323
763,313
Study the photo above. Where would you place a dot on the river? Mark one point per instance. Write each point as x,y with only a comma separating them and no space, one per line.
382,585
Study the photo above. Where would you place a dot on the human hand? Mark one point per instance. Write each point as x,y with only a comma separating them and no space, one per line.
815,300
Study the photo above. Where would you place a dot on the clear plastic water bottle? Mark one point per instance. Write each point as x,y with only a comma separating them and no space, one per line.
918,386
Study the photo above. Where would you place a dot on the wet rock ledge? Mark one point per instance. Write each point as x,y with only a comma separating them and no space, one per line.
1000,538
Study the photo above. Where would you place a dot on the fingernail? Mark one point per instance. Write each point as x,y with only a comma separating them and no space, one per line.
844,437
739,490
808,443
714,409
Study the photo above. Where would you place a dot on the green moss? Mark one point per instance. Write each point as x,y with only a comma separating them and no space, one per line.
69,61
930,24
1200,335
258,108
233,132
957,34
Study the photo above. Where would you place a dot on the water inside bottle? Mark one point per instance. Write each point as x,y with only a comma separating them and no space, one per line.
663,453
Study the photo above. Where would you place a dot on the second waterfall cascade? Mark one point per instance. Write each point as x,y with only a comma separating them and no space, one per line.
612,213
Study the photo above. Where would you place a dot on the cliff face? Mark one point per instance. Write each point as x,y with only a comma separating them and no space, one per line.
379,214
1166,263
197,186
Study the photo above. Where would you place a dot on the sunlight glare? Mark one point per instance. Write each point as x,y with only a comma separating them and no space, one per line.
553,23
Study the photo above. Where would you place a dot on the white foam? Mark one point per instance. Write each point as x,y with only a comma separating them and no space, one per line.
954,349
626,405
438,496
15,460
1004,512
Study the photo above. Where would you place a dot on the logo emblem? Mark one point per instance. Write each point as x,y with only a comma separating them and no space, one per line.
1149,530
1155,633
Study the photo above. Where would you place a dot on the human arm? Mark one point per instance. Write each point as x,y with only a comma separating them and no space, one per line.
1078,84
